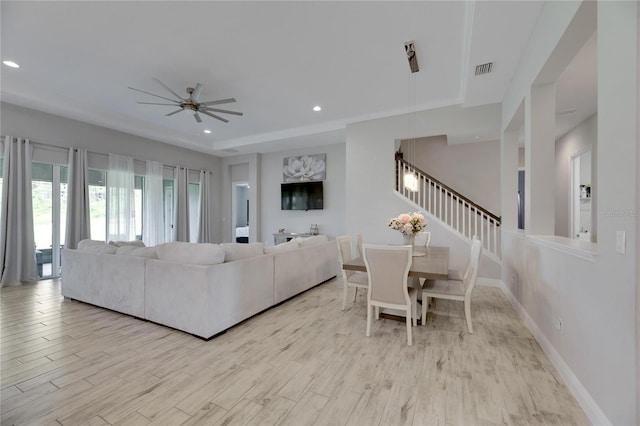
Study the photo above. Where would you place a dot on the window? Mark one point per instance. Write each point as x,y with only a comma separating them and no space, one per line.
138,205
168,209
98,204
194,211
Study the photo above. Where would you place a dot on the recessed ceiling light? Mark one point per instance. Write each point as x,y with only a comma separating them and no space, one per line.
477,138
317,108
207,131
11,64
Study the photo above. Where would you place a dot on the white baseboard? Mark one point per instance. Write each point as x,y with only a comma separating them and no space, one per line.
588,404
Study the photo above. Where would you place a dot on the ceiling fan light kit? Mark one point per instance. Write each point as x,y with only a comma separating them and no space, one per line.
191,102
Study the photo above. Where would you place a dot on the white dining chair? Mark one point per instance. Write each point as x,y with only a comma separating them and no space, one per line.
353,279
359,245
454,288
388,269
422,239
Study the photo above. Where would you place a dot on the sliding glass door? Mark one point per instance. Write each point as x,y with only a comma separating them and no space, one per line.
49,197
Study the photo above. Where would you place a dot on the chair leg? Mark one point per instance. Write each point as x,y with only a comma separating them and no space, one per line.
344,299
369,319
467,314
355,293
409,336
425,304
377,312
414,309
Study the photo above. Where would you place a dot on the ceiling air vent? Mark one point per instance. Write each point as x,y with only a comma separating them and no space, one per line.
484,68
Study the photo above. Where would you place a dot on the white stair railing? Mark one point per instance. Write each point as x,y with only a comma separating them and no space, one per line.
460,214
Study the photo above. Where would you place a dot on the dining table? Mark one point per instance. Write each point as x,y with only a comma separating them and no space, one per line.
430,263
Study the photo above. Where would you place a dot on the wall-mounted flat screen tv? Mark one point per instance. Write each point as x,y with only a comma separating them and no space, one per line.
302,196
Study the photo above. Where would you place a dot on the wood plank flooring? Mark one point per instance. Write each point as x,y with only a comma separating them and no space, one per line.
301,363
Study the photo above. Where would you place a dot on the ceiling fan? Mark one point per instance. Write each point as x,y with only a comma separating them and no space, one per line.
191,102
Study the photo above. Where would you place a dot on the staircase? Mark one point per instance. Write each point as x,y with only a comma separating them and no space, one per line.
456,212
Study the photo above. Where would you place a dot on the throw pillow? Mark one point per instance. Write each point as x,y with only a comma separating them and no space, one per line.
315,240
192,253
94,246
135,243
148,252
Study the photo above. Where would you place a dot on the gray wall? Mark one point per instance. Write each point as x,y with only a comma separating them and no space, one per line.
330,220
472,169
50,129
593,293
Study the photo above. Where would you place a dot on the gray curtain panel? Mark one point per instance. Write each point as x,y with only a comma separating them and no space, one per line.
181,230
205,230
17,242
77,199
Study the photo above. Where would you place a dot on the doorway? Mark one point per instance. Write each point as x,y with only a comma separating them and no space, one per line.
240,211
581,196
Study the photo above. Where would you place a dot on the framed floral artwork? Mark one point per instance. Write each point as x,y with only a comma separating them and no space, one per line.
304,168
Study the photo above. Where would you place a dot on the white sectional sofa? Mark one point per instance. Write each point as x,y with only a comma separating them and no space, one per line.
202,289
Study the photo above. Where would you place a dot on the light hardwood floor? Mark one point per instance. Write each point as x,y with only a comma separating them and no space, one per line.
303,362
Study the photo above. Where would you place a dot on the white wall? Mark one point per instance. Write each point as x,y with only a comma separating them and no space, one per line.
330,220
54,130
594,295
578,140
472,169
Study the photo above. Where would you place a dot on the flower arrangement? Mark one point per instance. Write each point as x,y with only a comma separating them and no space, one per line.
409,224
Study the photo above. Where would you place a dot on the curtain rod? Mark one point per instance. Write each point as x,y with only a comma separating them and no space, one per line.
66,148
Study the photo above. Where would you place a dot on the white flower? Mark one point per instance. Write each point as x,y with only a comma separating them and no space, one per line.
408,223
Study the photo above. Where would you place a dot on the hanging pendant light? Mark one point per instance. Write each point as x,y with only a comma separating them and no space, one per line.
410,180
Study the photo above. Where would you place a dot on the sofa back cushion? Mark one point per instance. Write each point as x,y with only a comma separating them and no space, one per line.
312,241
94,246
288,246
193,253
148,252
236,251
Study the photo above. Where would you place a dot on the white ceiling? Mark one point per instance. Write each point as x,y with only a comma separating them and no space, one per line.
278,59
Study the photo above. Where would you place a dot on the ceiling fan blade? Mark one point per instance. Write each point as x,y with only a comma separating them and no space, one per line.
226,111
148,93
155,103
174,112
197,117
196,92
221,101
215,116
167,87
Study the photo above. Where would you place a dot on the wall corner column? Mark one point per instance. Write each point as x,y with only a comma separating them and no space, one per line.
540,126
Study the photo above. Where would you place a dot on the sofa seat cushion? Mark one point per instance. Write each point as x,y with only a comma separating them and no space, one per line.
192,253
94,246
312,241
236,251
148,252
288,246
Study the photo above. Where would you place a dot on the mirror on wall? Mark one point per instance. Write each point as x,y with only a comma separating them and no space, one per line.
240,213
581,196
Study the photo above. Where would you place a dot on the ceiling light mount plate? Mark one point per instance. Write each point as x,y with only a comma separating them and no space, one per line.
412,56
